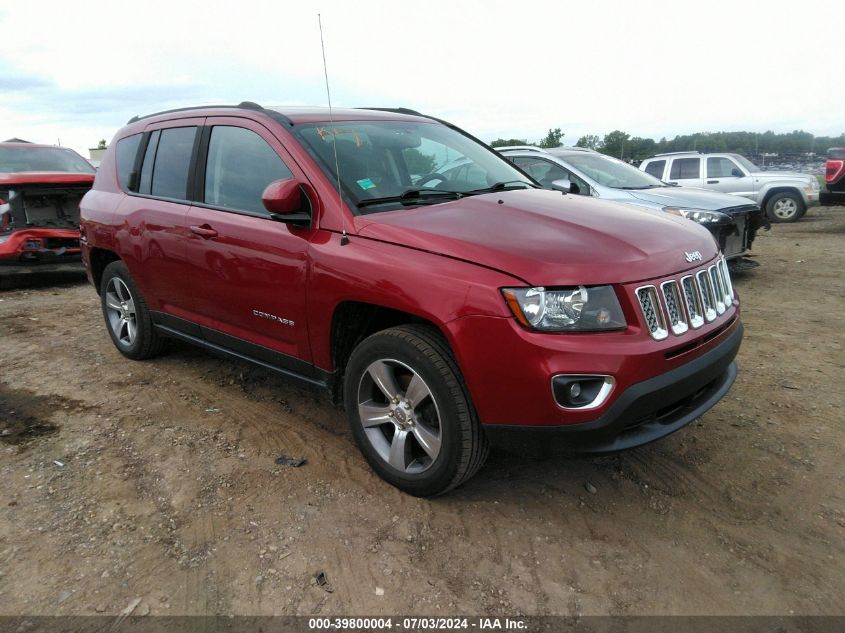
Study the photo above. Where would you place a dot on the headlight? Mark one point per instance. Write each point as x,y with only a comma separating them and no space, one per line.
700,216
3,238
566,309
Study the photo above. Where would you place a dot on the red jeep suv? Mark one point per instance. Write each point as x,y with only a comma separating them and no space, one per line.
425,282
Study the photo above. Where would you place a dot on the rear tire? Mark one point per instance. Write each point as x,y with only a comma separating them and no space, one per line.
785,207
410,412
127,318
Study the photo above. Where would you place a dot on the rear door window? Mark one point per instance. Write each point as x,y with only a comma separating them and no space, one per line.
172,162
655,168
685,168
240,165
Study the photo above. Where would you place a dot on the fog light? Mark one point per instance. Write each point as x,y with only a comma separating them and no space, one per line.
32,245
580,391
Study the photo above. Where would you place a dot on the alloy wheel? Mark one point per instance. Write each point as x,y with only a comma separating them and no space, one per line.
400,416
785,209
120,309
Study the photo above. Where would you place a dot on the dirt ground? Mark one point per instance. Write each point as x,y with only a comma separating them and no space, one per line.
156,481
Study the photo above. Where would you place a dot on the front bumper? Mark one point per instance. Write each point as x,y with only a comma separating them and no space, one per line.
735,238
37,249
644,412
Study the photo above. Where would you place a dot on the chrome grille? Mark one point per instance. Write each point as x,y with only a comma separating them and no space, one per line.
674,307
652,311
705,291
718,292
696,299
693,302
729,288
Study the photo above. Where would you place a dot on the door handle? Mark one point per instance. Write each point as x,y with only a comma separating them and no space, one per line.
204,231
712,182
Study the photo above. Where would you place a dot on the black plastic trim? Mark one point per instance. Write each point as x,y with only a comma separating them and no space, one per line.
200,158
234,347
191,188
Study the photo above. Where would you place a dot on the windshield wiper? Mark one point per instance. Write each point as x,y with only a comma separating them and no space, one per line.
502,186
413,196
638,188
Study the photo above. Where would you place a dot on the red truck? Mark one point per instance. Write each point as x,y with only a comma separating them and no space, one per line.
41,187
834,177
425,282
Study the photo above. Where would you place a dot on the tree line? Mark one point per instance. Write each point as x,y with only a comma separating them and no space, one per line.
622,145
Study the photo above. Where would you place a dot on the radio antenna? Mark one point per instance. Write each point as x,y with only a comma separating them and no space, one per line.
344,239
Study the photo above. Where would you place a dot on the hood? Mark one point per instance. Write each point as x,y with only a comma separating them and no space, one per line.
546,238
690,197
782,175
8,179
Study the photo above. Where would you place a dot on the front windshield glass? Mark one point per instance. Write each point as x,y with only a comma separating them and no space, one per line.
747,164
424,163
22,159
611,172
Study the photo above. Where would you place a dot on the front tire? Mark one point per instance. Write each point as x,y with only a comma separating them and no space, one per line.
128,320
410,412
785,207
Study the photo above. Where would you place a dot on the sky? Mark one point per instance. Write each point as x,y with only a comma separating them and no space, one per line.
75,72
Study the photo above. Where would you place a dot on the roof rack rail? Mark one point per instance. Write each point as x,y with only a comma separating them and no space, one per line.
397,111
425,116
243,105
523,148
689,151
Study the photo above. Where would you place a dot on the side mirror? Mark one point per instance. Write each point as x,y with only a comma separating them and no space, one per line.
286,202
736,173
565,185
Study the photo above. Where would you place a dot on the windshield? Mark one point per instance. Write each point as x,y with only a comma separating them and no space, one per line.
747,164
387,164
611,172
21,159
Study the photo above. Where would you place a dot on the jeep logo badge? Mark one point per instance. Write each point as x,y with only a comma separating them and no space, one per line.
695,256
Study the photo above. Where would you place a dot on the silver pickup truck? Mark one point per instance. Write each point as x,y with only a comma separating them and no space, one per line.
785,196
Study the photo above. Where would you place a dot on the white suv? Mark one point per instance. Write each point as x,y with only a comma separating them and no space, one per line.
785,196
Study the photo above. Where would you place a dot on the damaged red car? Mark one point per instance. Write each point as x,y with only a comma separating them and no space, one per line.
40,190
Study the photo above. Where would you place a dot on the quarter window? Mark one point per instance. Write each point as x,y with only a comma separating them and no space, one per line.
685,168
127,149
655,168
172,162
240,166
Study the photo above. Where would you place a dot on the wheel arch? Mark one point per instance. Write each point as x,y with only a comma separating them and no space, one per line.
100,258
353,321
776,189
